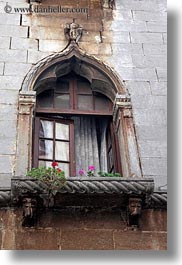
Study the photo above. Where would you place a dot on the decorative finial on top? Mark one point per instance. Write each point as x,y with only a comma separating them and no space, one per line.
73,31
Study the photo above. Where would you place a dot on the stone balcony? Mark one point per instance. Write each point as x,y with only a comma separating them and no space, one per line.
95,192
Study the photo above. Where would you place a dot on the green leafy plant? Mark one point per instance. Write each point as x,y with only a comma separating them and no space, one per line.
105,174
53,176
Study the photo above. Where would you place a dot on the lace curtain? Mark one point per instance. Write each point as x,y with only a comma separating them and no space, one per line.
90,143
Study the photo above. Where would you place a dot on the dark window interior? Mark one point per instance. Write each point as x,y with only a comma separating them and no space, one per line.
74,94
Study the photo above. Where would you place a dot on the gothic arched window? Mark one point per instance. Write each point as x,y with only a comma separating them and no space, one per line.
74,127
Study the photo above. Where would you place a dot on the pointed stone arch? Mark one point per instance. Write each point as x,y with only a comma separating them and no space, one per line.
102,78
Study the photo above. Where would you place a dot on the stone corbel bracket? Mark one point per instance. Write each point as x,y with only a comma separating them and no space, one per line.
134,211
11,198
29,212
28,193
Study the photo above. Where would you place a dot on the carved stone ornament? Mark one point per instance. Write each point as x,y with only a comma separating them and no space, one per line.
134,212
122,98
33,195
122,101
111,3
73,31
127,113
26,102
29,212
95,185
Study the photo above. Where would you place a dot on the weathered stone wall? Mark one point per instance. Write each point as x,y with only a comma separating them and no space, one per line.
139,56
131,39
77,231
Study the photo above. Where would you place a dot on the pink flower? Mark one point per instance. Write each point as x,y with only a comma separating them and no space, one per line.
81,172
91,168
59,170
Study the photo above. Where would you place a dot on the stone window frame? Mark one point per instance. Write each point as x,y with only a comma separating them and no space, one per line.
103,79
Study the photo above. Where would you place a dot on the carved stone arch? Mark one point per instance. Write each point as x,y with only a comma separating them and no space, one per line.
102,78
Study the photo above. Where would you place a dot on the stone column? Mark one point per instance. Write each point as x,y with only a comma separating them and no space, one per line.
24,137
127,137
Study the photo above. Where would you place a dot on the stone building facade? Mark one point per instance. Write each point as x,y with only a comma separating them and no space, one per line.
123,41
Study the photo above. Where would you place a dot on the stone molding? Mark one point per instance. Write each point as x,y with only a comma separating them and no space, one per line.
133,187
5,197
90,185
26,102
122,102
72,51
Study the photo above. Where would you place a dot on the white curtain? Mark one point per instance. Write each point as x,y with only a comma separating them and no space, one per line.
103,147
90,143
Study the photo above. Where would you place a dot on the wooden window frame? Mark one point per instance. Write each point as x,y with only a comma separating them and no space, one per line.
115,150
71,142
73,98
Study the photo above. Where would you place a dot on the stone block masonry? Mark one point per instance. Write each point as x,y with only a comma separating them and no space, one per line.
24,44
4,42
145,76
19,69
131,39
93,231
13,56
11,30
1,68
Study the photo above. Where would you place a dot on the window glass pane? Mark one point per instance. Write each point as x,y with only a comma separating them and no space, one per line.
62,151
101,103
65,168
62,131
85,102
45,99
84,87
45,163
62,101
46,149
62,87
46,129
